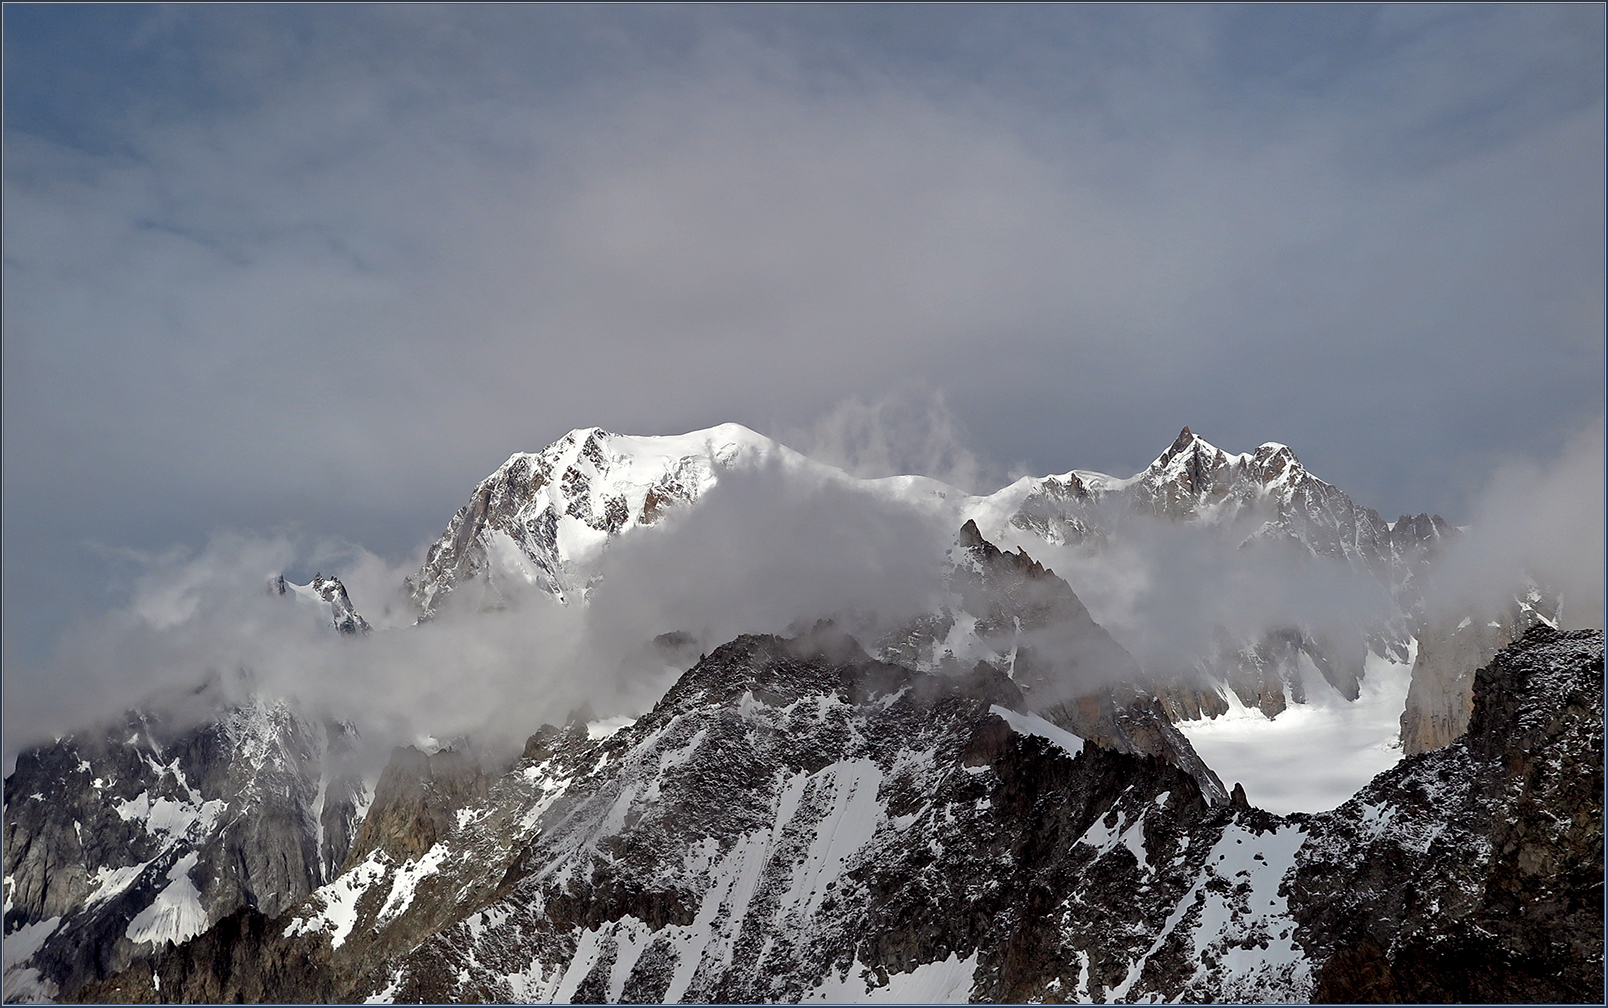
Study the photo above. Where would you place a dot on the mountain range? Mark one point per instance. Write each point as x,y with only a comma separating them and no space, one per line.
980,792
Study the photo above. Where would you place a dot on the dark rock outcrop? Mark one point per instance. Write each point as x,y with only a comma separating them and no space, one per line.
1036,631
416,801
1474,873
1451,650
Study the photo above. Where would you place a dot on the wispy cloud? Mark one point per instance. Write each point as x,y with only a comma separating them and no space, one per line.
1540,519
907,430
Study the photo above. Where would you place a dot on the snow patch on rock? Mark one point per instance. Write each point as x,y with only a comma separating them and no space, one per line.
176,914
946,982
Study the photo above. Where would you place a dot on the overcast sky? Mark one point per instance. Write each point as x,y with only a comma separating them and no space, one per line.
321,268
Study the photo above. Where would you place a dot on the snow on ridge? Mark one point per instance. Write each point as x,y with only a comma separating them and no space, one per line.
23,984
109,882
732,446
600,466
1099,482
608,469
305,594
175,818
1032,724
631,464
336,903
405,882
608,727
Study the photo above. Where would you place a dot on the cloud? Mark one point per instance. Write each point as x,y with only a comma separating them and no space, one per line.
1539,519
209,616
765,551
908,430
1168,591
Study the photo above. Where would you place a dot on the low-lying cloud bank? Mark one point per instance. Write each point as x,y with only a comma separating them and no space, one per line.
761,552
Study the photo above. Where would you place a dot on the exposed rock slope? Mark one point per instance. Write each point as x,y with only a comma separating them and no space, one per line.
148,830
1451,649
1010,613
796,821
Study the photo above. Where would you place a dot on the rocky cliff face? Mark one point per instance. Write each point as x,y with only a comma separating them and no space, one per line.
1265,496
1009,613
416,801
147,830
797,821
993,804
794,818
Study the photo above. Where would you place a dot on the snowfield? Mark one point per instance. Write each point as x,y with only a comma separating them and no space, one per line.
1312,756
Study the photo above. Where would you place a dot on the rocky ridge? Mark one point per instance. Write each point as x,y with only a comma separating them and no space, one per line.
1450,650
1474,873
1007,620
328,594
1265,495
1007,612
798,821
1264,499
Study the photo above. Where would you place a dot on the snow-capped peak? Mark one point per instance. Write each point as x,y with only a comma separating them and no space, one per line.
1191,451
543,518
1193,472
1276,463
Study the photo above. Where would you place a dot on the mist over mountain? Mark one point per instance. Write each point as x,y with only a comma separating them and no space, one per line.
306,756
877,632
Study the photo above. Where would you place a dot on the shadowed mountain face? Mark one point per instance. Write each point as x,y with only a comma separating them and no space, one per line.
1009,613
1451,649
797,820
1473,873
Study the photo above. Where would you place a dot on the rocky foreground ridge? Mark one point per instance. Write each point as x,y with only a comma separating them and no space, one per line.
796,821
